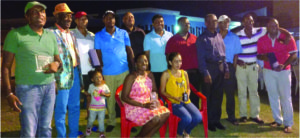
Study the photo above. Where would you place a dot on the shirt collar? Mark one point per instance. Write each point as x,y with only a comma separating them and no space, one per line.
31,31
209,33
278,34
61,29
127,29
153,31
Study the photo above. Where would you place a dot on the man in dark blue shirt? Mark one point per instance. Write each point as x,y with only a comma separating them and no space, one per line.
212,65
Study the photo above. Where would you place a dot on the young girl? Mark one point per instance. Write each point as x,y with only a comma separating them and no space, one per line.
175,86
98,91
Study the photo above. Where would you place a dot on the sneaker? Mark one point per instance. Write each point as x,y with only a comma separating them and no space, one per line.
257,120
109,128
88,131
219,126
186,135
243,119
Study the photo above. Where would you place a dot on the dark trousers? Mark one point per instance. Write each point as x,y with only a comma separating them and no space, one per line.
214,93
157,76
230,86
194,78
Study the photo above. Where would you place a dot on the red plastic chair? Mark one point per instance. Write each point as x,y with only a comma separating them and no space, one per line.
126,125
173,120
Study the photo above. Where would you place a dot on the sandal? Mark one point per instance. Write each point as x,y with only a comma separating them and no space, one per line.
186,135
287,129
275,124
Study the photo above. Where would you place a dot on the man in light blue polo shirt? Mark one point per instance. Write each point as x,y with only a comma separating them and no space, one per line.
232,47
155,45
113,46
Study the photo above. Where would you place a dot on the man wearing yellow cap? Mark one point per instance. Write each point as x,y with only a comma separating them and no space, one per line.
69,79
35,51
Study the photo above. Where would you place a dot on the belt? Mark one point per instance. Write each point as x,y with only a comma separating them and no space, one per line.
250,63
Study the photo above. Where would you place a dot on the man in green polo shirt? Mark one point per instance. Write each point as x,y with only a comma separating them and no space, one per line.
36,54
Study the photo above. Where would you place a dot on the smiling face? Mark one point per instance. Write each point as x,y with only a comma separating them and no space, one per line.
36,16
64,20
158,24
248,22
142,63
273,27
176,63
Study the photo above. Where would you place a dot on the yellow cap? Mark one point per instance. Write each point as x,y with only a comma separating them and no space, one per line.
62,7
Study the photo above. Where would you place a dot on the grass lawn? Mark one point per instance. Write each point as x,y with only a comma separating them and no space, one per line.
10,125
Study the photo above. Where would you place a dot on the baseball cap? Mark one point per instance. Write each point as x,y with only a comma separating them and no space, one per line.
108,12
80,14
223,18
62,7
30,4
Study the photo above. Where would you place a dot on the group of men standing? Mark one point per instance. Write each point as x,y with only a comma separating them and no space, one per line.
60,55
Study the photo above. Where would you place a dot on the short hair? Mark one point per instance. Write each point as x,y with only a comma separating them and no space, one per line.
272,19
171,56
208,15
246,15
92,73
139,55
181,19
156,16
127,14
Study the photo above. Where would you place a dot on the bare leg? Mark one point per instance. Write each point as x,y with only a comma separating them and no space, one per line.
148,127
162,119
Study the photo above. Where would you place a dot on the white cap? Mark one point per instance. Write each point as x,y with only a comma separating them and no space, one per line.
223,18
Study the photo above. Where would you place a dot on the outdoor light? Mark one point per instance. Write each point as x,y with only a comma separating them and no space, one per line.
177,28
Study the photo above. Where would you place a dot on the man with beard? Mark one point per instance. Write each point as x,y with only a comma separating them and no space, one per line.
37,59
68,80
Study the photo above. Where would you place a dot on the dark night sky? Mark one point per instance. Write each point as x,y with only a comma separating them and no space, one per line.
15,9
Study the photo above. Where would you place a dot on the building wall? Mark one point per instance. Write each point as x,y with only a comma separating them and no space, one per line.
287,13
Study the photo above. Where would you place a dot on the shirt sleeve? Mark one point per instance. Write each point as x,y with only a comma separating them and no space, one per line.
106,89
292,47
147,43
97,42
201,54
238,45
11,42
126,39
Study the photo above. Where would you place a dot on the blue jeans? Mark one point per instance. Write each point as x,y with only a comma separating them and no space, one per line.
101,117
37,109
190,116
68,99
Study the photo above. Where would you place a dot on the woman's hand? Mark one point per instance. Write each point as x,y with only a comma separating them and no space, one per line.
178,99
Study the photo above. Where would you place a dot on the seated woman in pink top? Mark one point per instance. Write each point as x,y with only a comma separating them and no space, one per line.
137,89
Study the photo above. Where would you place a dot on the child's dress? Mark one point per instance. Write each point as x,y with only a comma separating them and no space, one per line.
97,105
140,91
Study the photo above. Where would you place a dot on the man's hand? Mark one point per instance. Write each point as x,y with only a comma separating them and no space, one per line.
240,62
280,67
13,102
207,79
227,75
51,67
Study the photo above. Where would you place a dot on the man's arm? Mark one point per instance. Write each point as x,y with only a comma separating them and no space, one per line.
54,66
13,101
287,34
201,54
130,56
99,54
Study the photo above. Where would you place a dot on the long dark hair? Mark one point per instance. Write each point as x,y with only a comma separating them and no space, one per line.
171,57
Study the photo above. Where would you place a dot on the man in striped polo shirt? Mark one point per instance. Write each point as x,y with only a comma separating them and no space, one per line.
247,69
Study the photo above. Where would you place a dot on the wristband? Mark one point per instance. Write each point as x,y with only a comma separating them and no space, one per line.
9,95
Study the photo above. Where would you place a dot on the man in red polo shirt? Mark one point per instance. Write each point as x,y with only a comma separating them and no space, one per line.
277,74
185,43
